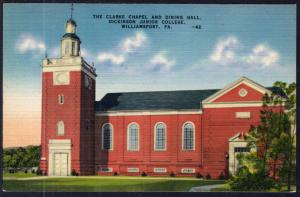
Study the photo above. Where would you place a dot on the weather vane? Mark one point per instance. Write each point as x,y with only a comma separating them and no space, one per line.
72,8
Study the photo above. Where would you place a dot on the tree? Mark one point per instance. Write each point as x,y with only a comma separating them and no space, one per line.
273,139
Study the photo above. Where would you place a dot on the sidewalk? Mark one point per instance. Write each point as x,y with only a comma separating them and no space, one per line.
205,188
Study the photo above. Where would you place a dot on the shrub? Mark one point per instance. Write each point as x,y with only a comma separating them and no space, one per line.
222,176
25,171
32,171
172,174
115,174
246,181
143,174
208,176
199,175
74,173
38,172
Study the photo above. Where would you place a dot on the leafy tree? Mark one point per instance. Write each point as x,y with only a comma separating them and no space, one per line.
273,139
21,157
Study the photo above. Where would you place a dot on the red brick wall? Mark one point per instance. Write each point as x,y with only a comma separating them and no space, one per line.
218,126
78,103
146,158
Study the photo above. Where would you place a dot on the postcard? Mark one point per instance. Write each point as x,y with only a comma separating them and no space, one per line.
149,97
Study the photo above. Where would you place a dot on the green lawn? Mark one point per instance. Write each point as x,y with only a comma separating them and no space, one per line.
18,175
101,184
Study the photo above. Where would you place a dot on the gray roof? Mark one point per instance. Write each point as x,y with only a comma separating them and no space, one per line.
158,100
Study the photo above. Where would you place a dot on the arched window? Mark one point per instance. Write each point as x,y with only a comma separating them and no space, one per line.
60,128
188,136
133,137
160,136
107,137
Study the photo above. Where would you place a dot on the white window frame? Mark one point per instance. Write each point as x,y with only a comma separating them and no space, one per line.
58,124
61,97
160,170
188,170
112,137
133,170
107,169
138,141
165,148
182,136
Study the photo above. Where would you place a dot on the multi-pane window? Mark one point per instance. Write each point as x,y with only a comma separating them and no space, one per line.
133,137
107,137
60,128
160,137
188,136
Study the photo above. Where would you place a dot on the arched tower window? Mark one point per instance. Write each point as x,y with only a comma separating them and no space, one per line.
188,136
160,136
107,137
60,128
133,137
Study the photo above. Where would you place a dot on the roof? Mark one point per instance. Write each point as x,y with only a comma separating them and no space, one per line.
71,35
158,100
70,20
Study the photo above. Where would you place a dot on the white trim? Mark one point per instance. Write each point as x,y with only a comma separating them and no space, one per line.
182,136
138,145
146,113
112,137
233,85
233,104
69,68
155,136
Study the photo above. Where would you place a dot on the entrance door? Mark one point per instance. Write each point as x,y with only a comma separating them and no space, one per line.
239,150
60,164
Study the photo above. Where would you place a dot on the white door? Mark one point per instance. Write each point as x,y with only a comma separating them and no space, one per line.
60,164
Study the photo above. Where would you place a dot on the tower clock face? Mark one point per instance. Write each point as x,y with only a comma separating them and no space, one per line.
61,78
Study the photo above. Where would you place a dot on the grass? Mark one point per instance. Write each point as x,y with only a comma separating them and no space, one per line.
102,184
18,175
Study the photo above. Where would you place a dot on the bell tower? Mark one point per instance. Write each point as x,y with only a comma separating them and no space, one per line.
68,114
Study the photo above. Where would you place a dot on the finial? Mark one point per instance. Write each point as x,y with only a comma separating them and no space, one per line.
72,8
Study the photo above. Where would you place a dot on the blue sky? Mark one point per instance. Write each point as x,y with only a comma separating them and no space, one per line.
183,54
257,41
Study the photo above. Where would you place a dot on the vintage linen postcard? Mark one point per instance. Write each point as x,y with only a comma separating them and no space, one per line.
149,97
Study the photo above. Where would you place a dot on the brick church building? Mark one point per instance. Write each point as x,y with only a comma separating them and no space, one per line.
157,133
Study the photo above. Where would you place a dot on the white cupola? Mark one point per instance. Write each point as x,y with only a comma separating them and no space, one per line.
70,42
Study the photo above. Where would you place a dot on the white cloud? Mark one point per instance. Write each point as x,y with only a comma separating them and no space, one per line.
54,52
131,44
112,58
224,51
29,43
263,56
161,62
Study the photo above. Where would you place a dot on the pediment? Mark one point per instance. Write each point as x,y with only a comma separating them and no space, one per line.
242,90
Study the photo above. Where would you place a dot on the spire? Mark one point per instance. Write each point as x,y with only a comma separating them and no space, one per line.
72,9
